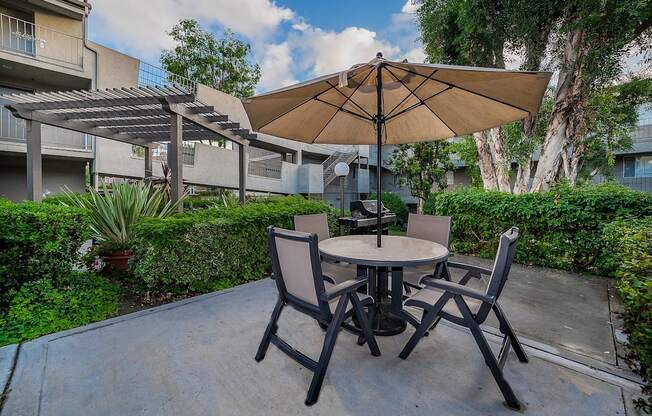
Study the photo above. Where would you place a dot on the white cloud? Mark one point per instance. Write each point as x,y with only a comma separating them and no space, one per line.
276,67
324,52
410,7
415,55
138,27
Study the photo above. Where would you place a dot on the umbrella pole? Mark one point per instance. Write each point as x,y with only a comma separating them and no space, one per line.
379,134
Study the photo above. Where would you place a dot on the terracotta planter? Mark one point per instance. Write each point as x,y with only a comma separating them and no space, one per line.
118,260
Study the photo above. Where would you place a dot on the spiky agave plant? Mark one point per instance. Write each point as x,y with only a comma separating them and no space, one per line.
115,212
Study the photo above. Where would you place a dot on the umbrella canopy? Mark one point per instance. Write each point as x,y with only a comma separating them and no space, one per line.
386,102
420,102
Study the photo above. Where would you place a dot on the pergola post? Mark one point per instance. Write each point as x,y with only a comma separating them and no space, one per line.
148,162
243,162
34,161
175,157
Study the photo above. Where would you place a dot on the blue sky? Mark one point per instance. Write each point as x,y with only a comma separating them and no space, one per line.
292,40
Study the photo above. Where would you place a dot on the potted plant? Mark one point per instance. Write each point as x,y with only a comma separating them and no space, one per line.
114,213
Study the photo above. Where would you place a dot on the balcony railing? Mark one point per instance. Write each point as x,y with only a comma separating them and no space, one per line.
13,129
26,38
266,168
152,76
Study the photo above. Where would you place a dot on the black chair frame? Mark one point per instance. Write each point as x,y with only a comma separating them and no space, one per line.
345,292
458,293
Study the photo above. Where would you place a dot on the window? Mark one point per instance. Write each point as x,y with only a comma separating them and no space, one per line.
644,167
629,167
450,178
637,167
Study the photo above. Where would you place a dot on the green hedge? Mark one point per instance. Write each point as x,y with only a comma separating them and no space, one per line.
38,241
41,307
394,203
211,249
561,228
629,251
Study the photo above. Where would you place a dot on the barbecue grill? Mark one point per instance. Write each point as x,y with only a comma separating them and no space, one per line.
363,217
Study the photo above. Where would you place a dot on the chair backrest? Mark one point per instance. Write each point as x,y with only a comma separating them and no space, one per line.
297,269
313,224
500,272
430,227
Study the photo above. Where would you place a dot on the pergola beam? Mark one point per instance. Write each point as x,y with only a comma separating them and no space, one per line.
200,121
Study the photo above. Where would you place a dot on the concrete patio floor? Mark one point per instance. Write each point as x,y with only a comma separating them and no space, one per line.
195,357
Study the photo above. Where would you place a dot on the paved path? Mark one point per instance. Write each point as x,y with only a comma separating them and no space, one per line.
195,357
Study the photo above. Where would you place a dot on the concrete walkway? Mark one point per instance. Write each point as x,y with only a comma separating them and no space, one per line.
195,357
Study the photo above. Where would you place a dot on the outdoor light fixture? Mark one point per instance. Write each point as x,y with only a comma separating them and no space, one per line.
341,171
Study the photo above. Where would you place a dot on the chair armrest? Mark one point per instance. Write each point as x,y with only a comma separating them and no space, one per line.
479,270
458,289
342,288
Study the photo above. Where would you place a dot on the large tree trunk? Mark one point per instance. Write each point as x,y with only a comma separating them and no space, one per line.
502,163
576,160
523,176
564,120
485,161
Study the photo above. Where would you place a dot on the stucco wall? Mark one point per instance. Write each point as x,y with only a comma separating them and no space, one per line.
56,173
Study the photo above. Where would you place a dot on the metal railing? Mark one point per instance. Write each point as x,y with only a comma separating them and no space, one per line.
269,168
160,153
13,129
27,38
152,76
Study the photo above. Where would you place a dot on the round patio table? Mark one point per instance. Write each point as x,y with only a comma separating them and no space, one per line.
396,252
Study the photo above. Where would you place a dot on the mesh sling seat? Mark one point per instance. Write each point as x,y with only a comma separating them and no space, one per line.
454,302
296,268
318,224
425,227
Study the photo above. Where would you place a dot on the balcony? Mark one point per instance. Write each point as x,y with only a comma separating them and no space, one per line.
12,130
41,43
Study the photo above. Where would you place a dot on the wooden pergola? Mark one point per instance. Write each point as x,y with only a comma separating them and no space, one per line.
139,116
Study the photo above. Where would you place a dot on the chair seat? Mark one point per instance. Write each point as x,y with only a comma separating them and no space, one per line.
340,272
413,275
364,299
430,295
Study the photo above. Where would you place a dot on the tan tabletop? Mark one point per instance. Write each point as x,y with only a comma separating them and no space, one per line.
396,251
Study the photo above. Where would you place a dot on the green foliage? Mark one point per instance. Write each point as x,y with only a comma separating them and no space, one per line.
113,214
223,64
38,241
628,254
467,151
422,166
42,307
561,228
207,249
394,203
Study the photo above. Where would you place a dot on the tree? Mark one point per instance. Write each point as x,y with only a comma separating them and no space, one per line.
422,166
223,64
472,32
593,38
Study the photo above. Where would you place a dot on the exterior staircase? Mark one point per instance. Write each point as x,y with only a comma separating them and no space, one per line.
334,159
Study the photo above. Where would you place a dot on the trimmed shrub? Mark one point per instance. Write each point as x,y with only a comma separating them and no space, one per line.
38,241
394,203
630,249
209,249
561,228
41,308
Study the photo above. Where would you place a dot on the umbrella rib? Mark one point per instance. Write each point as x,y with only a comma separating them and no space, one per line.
348,98
388,116
344,110
427,106
330,87
458,87
420,103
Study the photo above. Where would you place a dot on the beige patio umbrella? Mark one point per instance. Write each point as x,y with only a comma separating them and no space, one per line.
386,102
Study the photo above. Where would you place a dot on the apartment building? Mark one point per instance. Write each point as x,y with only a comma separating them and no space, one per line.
44,47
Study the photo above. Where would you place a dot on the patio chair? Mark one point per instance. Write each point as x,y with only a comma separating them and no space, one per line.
454,302
300,283
318,224
425,227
